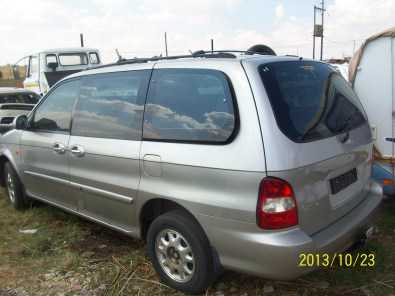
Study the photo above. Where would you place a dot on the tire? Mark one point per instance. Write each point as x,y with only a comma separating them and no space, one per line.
198,263
14,188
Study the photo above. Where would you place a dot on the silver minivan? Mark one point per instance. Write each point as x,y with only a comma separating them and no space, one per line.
219,160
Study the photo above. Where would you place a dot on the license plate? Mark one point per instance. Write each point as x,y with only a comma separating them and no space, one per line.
341,182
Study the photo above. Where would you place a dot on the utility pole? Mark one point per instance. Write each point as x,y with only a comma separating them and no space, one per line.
314,33
212,45
167,53
319,28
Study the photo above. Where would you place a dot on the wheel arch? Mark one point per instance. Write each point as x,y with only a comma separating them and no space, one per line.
158,206
5,157
155,207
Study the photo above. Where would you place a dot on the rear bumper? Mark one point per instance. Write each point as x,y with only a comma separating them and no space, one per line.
244,247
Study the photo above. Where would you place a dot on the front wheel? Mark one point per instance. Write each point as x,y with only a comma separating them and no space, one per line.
180,252
14,188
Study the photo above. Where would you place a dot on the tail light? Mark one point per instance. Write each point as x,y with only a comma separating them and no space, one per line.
276,207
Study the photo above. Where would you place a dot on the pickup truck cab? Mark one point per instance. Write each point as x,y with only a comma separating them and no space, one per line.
43,69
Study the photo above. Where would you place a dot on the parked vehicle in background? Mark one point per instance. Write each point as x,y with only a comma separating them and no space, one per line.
372,74
382,172
218,160
14,102
45,68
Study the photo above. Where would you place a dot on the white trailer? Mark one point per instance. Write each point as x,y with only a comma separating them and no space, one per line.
372,75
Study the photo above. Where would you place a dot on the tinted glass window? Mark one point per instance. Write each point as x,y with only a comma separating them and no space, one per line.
310,100
73,59
54,114
189,105
111,105
27,98
94,58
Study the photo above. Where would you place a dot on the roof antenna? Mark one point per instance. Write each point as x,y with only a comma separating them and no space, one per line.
120,58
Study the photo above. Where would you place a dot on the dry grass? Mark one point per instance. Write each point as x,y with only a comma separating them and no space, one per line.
76,257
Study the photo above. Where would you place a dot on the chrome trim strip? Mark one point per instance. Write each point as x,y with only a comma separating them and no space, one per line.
54,179
104,193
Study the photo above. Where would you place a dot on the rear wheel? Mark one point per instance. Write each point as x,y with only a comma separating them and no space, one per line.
180,252
14,188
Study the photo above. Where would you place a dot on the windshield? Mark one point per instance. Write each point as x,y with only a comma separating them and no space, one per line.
21,98
310,100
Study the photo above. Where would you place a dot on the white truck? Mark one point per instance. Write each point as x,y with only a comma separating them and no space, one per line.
43,69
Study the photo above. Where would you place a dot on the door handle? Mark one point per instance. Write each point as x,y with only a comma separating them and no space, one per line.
77,150
59,148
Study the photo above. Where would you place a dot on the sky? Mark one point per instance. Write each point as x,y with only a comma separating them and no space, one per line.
136,28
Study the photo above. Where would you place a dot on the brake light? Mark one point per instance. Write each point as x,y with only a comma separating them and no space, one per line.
276,207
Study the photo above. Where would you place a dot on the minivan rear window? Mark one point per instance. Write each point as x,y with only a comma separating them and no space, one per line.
73,59
310,100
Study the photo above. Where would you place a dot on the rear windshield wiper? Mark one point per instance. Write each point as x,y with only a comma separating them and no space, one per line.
346,126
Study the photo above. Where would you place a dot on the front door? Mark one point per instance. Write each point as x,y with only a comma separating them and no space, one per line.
32,76
44,146
105,144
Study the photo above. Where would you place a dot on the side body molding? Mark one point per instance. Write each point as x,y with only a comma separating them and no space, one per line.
104,193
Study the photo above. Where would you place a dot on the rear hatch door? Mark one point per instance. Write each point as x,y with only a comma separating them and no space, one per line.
321,140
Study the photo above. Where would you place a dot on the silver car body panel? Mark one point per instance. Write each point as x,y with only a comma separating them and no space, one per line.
107,177
275,254
46,171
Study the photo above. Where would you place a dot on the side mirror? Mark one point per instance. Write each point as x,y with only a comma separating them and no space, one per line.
53,66
21,122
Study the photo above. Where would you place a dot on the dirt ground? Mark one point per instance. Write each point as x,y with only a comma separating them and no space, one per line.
70,256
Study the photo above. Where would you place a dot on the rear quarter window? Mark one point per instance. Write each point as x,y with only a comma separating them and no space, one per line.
310,100
190,105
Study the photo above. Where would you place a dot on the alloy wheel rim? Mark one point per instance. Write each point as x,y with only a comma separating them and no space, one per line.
175,255
11,188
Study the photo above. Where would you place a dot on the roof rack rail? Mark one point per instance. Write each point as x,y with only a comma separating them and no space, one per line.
196,54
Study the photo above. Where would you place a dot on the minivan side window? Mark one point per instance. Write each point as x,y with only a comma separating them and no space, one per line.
189,105
54,114
111,105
